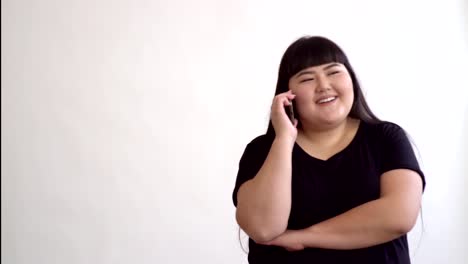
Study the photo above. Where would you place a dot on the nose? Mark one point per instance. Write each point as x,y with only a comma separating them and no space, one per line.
323,84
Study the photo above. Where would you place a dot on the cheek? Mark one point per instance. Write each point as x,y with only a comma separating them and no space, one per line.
349,92
302,90
350,99
299,91
303,96
347,89
348,95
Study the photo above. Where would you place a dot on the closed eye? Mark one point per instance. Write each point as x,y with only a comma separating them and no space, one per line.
306,80
334,72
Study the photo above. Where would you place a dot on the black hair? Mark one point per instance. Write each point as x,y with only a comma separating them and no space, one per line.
311,51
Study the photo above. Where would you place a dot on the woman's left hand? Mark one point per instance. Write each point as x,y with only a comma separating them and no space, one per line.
290,240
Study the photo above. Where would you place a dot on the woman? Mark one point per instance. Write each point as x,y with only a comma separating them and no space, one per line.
336,184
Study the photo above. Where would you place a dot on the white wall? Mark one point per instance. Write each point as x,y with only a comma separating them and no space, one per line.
123,121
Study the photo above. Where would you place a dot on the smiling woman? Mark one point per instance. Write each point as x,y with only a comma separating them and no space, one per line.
319,104
299,67
335,185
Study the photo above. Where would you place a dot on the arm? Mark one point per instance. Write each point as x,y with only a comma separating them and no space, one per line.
264,202
375,222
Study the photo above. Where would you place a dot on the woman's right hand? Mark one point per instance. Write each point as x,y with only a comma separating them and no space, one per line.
284,128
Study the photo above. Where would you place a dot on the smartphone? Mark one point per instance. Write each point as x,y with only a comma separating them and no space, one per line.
290,111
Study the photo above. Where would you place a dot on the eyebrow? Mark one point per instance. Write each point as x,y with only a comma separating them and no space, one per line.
312,72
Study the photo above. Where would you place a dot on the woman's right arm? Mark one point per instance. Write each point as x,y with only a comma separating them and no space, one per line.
264,202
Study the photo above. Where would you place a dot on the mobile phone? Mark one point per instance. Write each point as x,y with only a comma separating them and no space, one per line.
290,111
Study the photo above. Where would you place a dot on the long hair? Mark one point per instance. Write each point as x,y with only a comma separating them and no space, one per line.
312,51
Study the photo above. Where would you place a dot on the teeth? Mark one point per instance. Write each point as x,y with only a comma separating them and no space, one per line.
326,100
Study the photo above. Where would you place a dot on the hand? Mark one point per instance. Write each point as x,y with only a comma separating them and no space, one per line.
290,240
280,120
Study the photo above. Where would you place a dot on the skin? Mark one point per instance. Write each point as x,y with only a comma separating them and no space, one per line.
326,128
264,202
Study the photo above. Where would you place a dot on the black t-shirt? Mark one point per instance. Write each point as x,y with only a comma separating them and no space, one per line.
324,189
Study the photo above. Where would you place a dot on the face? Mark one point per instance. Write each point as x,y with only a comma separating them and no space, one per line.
324,94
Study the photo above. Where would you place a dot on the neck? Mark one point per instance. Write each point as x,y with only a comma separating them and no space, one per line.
326,135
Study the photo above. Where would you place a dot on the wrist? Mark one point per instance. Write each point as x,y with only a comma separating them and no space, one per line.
308,237
285,140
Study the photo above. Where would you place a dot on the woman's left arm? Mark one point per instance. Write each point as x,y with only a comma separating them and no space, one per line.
384,219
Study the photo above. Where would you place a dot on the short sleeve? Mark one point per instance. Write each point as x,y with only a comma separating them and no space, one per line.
251,161
397,151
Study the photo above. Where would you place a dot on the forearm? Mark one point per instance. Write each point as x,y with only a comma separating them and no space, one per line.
370,224
264,203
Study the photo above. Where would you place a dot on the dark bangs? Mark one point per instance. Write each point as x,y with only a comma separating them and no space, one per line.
308,52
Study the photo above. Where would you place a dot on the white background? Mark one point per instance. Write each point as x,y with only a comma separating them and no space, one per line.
123,121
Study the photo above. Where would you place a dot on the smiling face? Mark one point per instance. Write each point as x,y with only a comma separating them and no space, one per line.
324,94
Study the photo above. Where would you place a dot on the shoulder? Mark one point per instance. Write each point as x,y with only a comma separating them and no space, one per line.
388,127
261,142
384,129
265,138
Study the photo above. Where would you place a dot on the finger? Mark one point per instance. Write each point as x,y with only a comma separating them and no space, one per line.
287,95
286,102
280,102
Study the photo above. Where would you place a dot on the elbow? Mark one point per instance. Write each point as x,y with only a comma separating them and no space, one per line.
404,225
262,236
259,231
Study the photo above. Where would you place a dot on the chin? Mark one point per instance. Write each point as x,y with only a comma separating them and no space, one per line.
333,121
330,119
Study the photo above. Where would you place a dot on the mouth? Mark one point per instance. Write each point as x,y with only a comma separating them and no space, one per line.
327,100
